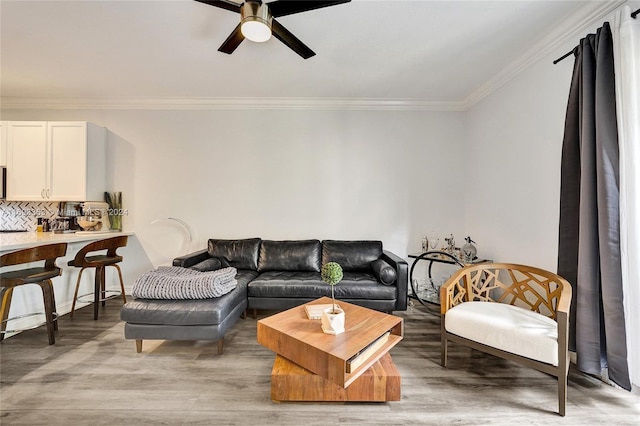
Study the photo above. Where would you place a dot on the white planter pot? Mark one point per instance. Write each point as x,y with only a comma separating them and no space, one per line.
333,323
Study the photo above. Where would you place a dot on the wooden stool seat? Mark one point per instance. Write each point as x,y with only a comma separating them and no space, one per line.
39,275
31,275
99,262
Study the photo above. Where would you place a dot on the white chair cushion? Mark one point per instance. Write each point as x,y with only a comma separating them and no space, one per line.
506,327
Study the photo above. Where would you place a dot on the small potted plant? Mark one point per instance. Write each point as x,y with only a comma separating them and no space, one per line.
333,317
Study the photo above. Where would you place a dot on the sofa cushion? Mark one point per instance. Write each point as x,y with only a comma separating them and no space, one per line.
289,256
241,254
211,264
509,328
385,273
354,285
351,255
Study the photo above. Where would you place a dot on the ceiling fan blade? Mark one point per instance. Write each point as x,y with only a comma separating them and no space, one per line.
283,34
233,41
284,8
223,4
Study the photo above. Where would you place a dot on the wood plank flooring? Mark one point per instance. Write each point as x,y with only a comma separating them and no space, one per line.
93,376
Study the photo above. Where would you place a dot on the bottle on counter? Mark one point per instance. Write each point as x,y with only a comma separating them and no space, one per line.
39,226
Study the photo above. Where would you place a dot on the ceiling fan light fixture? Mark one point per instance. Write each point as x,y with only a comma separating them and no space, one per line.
255,21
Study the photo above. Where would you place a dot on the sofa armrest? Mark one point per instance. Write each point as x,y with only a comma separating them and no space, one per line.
191,259
402,280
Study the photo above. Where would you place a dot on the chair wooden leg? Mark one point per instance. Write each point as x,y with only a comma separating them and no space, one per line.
444,352
75,293
4,309
563,373
47,287
220,346
244,314
255,314
563,362
124,298
138,345
562,395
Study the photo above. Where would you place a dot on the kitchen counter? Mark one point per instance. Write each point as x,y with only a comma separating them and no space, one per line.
27,299
19,240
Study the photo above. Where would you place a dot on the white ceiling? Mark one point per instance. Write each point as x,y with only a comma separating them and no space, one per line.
426,50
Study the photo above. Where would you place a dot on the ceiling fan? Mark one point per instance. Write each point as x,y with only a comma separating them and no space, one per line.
257,22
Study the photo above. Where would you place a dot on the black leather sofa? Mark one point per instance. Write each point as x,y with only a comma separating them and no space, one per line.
283,274
271,275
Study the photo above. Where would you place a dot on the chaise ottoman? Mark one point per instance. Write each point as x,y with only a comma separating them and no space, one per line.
200,319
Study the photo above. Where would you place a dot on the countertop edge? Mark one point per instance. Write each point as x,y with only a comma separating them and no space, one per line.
21,240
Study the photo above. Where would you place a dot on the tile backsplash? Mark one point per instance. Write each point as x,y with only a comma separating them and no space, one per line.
24,214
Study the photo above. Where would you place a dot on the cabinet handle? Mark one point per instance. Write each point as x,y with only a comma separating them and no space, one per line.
42,193
48,196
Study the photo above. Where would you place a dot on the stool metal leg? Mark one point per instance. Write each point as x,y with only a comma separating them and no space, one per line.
75,293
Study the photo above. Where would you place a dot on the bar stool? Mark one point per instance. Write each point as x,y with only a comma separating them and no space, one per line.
100,262
38,275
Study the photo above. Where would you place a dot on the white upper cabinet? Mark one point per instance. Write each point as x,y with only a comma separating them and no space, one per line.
26,160
55,161
3,143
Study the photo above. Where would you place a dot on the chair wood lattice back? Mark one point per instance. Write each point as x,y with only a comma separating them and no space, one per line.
524,286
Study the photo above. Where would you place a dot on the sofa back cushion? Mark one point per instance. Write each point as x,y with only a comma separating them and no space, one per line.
290,256
241,254
353,256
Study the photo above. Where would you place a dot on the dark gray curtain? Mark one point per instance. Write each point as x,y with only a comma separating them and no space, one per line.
589,238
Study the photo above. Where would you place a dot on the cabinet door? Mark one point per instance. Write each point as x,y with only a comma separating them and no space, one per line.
3,143
67,172
26,160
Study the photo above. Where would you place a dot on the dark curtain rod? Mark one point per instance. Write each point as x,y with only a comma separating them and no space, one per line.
633,15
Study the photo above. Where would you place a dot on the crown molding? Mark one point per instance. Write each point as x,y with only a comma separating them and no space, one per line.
366,104
571,28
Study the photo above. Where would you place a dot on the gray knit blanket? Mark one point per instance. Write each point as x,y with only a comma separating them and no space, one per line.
175,282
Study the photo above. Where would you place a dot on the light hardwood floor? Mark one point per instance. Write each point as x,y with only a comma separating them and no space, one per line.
93,376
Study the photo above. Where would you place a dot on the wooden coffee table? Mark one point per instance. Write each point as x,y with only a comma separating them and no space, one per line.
314,366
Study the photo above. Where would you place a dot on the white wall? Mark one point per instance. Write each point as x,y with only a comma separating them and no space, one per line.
513,160
280,174
514,144
513,154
